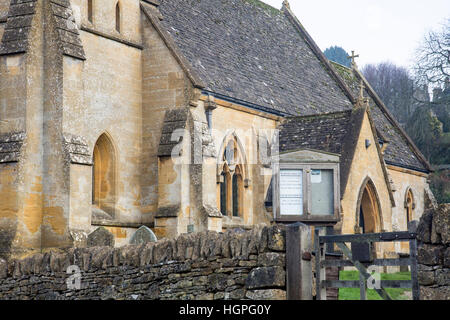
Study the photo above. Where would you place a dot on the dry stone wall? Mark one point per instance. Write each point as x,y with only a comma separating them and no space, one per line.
232,265
433,253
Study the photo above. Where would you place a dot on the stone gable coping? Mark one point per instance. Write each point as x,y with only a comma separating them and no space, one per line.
400,150
67,30
17,28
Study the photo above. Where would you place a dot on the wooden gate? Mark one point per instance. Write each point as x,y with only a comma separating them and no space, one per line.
359,255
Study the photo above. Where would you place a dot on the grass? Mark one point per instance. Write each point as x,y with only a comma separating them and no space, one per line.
353,293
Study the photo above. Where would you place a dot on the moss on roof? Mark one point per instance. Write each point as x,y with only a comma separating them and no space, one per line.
264,6
345,73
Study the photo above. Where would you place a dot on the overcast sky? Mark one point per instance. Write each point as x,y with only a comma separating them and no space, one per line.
378,30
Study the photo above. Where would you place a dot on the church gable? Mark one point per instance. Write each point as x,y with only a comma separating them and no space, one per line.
367,171
400,150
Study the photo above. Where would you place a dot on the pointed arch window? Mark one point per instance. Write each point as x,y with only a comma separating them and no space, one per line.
104,176
409,206
118,17
223,192
231,182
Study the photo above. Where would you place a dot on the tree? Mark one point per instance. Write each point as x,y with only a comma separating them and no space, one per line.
394,86
433,57
426,131
337,54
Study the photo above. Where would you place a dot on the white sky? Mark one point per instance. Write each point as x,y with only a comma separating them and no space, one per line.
377,30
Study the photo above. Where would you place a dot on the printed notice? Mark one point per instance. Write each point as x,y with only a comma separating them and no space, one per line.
291,192
316,176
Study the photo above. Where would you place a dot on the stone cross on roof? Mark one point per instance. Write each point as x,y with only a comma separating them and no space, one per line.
352,57
361,99
361,89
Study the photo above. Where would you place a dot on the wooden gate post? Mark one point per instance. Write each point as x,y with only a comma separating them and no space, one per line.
298,262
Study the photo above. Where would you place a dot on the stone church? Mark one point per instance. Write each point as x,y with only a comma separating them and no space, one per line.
184,116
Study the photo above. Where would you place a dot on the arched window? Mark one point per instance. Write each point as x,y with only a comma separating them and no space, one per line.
104,176
223,192
90,11
237,192
118,18
409,206
231,183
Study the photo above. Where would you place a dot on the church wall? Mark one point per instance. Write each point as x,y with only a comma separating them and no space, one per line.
55,189
2,29
365,164
228,118
165,86
403,181
103,94
21,110
104,17
110,104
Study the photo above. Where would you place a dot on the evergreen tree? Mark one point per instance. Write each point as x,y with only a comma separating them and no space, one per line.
426,131
337,54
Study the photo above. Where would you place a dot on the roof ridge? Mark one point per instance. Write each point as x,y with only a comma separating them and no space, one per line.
173,48
394,122
263,5
319,115
340,65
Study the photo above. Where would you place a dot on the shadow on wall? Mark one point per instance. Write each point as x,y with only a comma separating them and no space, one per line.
8,231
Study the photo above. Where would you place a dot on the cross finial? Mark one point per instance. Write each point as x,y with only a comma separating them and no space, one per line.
286,4
352,57
361,99
361,90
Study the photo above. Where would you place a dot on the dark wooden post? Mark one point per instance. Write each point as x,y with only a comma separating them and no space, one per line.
412,228
298,262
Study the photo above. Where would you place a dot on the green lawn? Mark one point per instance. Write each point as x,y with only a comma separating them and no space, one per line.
353,293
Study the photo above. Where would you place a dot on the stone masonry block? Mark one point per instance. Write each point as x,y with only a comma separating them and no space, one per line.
266,277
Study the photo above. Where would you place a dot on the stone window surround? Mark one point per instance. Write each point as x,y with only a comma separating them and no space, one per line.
307,196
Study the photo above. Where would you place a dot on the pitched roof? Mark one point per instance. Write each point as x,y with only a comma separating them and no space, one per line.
334,132
257,55
400,151
251,52
324,132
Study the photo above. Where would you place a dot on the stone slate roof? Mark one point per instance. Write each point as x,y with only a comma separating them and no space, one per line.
251,52
334,132
18,26
400,150
325,132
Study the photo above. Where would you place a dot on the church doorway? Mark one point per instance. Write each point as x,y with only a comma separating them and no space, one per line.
368,218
